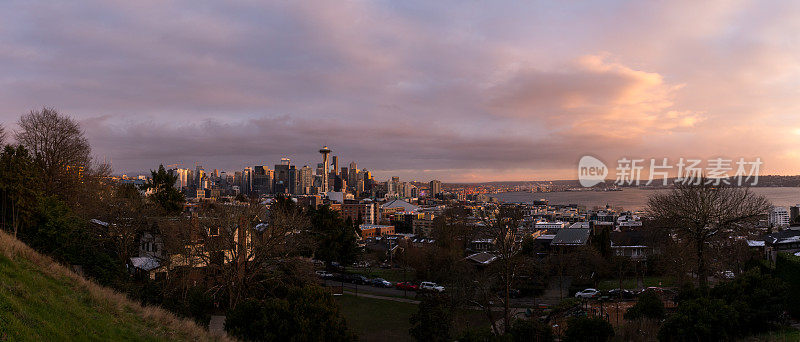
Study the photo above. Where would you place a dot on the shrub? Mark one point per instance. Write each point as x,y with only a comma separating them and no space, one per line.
531,331
306,314
700,319
648,306
588,329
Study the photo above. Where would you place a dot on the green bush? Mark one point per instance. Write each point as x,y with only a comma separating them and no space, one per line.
531,331
751,303
700,319
758,299
648,306
306,314
587,329
433,321
787,268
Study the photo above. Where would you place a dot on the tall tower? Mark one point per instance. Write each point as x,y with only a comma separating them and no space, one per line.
325,151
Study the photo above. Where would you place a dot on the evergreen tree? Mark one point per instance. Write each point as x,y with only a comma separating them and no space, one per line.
19,188
164,193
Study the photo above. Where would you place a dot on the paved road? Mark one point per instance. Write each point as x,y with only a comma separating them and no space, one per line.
526,302
393,292
367,295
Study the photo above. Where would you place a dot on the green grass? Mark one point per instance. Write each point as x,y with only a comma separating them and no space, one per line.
385,320
630,283
776,336
43,301
376,319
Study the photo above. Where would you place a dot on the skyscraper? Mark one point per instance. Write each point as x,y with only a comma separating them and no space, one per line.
282,178
183,178
262,179
247,181
325,151
352,177
306,180
436,187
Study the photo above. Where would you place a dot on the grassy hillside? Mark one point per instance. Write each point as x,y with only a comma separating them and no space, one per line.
43,301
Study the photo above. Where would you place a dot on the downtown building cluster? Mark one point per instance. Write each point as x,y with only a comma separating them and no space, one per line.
352,191
284,178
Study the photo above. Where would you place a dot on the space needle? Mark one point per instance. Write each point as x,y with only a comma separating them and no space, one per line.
325,151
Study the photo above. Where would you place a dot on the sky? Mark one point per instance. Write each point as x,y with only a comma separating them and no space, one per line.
461,91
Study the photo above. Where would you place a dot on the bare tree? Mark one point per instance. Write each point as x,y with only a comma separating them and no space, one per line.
702,213
127,215
2,135
241,244
58,145
502,227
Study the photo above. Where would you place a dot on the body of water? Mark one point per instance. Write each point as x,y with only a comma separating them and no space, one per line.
632,198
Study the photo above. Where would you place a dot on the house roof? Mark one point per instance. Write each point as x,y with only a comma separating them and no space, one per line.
374,226
571,237
398,203
261,227
145,263
483,258
98,222
783,236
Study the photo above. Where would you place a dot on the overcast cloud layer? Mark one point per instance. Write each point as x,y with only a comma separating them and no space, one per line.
460,91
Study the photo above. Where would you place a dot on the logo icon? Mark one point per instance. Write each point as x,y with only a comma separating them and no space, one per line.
591,171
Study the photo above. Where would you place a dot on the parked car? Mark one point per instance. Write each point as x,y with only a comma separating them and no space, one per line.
430,286
380,282
621,293
406,285
360,280
655,289
587,294
324,274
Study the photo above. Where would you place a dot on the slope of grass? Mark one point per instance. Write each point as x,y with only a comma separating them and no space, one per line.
41,300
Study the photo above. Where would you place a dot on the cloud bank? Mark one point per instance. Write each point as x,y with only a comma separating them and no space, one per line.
455,91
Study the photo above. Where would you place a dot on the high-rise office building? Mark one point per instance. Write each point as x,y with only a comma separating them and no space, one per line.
183,178
352,177
794,213
262,180
247,181
282,183
325,151
306,180
237,179
435,188
199,174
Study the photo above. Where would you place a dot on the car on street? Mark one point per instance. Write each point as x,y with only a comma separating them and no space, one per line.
406,285
324,274
430,286
360,280
587,294
621,293
380,282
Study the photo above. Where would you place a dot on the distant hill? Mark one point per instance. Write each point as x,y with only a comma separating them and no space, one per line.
41,300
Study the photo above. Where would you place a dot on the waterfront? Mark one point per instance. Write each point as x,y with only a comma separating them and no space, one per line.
632,198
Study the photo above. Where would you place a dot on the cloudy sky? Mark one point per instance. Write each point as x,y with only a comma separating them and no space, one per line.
459,91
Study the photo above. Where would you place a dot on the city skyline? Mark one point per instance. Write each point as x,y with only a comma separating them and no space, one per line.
459,92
